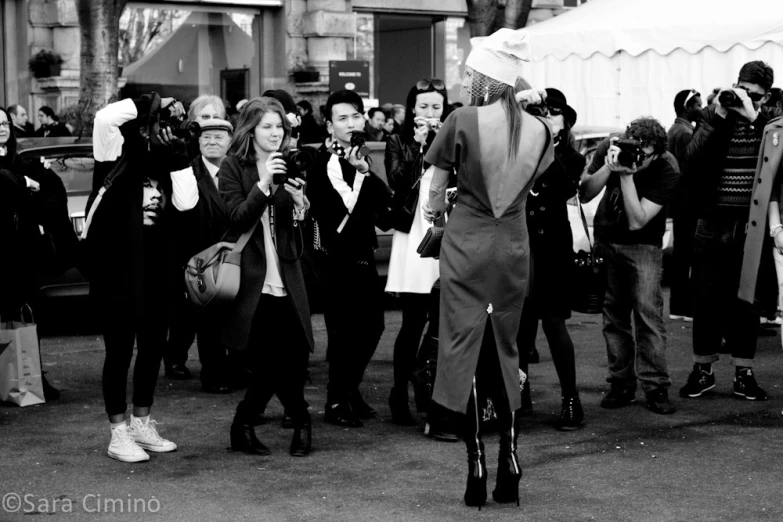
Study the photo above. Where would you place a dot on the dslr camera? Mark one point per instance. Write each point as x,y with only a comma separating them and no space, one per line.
540,110
358,139
631,152
729,99
181,128
297,162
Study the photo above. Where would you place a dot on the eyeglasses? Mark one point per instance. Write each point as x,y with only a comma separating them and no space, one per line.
754,96
6,124
691,95
423,85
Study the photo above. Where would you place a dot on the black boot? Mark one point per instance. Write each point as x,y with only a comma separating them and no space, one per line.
572,417
509,472
302,443
398,404
476,490
243,437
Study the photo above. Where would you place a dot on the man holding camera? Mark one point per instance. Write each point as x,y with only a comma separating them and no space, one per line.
725,147
345,197
200,220
640,177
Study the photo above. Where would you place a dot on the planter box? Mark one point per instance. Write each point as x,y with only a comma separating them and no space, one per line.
47,71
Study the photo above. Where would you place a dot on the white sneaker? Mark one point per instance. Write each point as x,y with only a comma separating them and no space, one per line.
123,448
146,436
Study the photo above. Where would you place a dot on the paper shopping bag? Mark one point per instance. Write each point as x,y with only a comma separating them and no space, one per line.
20,364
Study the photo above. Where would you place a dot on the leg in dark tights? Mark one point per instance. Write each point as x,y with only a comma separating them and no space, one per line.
562,348
414,319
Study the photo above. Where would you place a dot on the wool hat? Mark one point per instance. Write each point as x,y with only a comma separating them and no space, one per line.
555,98
500,56
285,99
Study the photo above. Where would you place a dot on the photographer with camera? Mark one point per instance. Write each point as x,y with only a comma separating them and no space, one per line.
270,318
346,197
723,156
411,275
640,178
200,219
136,148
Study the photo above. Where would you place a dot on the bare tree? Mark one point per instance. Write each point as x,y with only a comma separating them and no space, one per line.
141,30
99,23
487,16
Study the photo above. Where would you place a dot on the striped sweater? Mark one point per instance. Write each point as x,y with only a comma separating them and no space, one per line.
735,187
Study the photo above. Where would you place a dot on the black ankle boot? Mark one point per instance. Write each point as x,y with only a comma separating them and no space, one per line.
302,443
398,405
476,489
509,472
243,438
572,417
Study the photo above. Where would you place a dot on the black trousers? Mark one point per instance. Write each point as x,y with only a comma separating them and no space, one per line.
186,323
278,356
684,228
414,319
354,299
120,329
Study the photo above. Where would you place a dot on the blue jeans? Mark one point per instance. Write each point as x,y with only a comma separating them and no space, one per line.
717,311
633,287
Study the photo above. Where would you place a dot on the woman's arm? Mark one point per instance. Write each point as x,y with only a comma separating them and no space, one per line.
398,169
437,202
244,210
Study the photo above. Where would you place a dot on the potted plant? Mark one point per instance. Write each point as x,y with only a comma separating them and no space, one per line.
45,64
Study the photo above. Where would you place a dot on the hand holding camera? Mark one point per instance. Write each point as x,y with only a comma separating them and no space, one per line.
357,154
531,97
422,128
275,167
625,156
738,100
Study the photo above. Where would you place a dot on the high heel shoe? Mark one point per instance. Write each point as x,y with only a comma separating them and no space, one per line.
476,489
302,442
509,472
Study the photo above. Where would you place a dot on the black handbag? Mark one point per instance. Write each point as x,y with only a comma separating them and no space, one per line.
430,245
589,276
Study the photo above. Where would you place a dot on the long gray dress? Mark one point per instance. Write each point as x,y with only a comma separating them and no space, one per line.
484,254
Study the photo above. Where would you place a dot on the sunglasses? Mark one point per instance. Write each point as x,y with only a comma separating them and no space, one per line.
555,111
691,95
6,124
423,85
754,96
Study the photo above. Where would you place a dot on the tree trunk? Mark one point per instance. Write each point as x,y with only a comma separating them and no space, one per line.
517,12
483,17
99,23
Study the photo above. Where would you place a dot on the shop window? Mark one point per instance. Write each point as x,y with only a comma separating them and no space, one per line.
185,53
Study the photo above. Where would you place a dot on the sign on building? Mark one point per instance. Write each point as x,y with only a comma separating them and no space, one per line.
350,74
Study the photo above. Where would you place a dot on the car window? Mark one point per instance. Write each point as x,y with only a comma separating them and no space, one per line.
75,171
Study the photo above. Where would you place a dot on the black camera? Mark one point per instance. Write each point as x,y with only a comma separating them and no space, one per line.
358,139
631,152
183,129
539,110
297,162
729,99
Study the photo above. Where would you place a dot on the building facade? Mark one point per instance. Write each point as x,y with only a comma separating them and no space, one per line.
239,48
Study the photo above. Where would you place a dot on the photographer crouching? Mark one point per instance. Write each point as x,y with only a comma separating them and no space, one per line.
640,177
724,153
136,144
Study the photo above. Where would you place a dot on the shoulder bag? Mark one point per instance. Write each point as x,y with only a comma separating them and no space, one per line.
430,245
589,276
213,275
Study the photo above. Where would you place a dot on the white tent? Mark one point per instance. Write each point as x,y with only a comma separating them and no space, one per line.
616,60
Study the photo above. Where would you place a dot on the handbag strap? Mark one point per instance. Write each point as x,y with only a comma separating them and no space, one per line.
244,238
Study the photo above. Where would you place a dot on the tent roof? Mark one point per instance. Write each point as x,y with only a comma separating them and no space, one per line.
637,26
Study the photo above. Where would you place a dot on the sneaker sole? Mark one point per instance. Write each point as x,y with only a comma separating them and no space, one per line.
156,449
694,395
747,398
122,458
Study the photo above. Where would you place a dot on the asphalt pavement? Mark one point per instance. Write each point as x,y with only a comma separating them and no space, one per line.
718,458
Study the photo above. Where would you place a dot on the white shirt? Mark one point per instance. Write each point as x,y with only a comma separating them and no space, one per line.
184,186
349,195
107,139
273,281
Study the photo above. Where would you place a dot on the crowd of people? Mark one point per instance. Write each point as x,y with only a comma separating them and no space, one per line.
495,177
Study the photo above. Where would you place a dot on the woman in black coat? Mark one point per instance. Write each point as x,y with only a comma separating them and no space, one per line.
270,317
551,260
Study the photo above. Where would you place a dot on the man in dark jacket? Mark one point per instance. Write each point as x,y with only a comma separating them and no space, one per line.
200,221
687,106
721,158
50,126
345,197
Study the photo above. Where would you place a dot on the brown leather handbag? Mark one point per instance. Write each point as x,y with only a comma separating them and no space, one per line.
213,275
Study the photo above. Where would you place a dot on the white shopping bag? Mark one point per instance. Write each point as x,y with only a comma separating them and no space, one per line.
20,364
